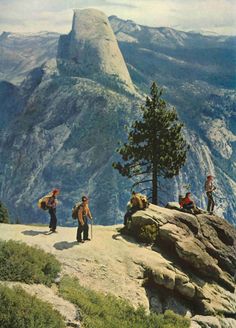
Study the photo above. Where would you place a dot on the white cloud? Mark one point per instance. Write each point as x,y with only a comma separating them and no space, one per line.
56,15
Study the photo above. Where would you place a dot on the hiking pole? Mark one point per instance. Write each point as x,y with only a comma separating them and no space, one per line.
91,229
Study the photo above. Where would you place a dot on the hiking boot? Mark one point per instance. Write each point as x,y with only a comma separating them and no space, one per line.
87,239
80,241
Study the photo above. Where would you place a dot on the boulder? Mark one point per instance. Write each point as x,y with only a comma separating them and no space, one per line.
200,321
201,255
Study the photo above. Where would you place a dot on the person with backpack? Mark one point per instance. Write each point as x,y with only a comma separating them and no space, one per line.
83,215
135,204
209,188
51,204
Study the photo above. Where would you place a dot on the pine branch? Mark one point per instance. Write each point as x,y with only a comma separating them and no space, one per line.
139,182
145,189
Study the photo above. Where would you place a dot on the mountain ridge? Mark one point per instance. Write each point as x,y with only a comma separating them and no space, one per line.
55,36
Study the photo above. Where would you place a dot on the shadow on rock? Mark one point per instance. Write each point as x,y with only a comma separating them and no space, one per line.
130,239
64,245
34,232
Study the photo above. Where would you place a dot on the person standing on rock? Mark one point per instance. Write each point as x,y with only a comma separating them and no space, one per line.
51,203
83,215
209,188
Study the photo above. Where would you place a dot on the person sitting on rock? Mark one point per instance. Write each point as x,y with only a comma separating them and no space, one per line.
187,203
136,201
134,205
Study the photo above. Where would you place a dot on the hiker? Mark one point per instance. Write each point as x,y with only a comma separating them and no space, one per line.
51,204
133,206
83,215
187,203
209,188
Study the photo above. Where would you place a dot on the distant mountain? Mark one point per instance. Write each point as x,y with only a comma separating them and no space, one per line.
91,50
20,53
64,120
172,56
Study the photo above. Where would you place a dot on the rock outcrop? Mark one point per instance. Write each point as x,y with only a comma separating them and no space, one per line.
91,50
202,250
189,268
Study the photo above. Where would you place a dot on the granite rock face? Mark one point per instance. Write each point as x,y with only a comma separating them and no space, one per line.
202,254
11,101
64,140
91,50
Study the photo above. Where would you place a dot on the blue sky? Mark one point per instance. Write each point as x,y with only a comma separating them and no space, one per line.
218,16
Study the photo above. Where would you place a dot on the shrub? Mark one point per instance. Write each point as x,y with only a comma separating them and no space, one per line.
4,216
148,234
99,310
20,262
20,310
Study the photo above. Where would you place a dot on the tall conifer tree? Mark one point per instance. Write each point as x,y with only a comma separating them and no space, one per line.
4,216
156,146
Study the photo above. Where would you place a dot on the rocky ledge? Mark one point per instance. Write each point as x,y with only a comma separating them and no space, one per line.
178,261
199,272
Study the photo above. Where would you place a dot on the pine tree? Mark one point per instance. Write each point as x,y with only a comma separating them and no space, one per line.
4,216
155,146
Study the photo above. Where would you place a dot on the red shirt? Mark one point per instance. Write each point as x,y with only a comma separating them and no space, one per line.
186,201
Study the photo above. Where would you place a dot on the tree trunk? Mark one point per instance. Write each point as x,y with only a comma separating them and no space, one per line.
154,185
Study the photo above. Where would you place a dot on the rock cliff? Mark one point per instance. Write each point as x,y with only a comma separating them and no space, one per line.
202,254
91,50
